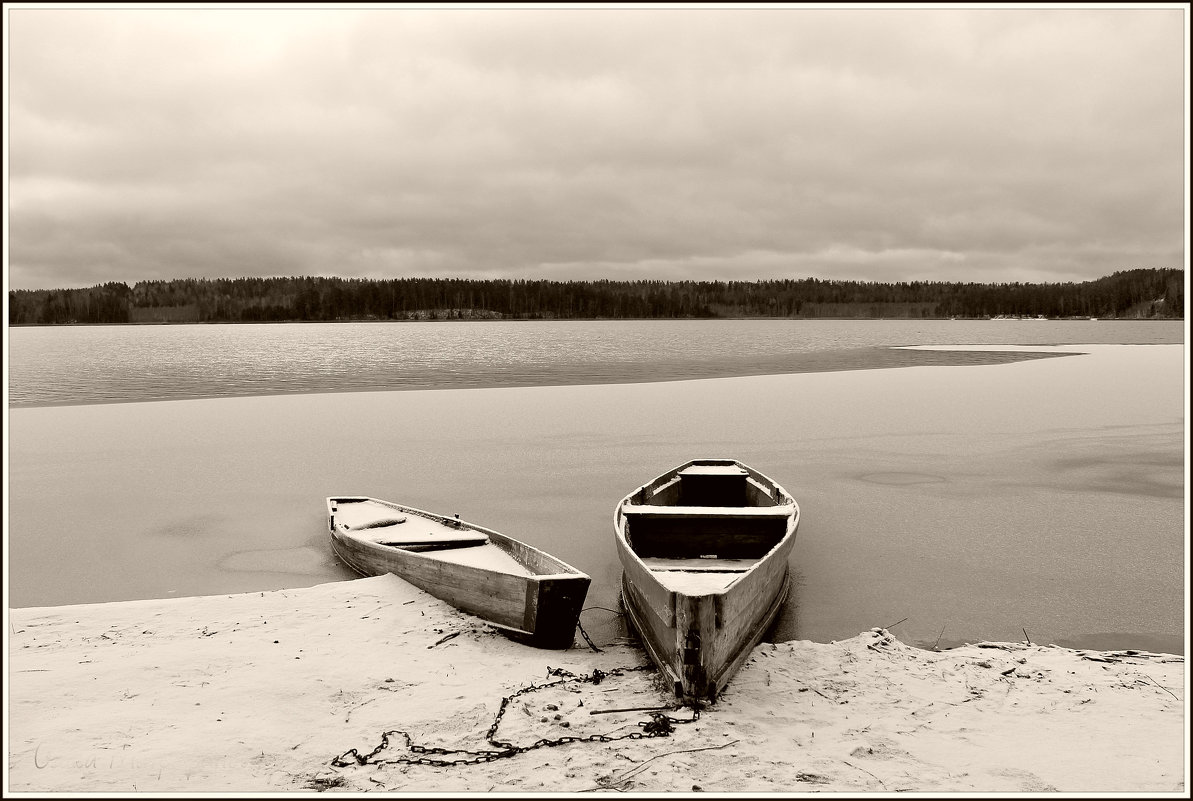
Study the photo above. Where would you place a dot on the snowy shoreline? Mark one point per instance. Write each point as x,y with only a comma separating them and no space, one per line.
263,691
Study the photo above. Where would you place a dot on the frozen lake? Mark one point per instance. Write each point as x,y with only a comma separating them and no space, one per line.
972,501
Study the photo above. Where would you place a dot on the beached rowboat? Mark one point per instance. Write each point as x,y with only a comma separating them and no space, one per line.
704,550
527,593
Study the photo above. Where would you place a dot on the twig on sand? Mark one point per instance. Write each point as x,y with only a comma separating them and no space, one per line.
1025,636
888,628
353,709
1161,686
938,636
444,639
863,770
813,689
632,709
636,768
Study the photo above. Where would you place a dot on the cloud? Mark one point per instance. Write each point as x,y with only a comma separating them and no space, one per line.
569,143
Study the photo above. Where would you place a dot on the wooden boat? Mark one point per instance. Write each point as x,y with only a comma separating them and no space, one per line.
704,551
530,595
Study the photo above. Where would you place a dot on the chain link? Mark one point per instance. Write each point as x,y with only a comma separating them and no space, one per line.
587,639
660,725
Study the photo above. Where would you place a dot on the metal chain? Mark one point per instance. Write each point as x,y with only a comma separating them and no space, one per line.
587,639
660,725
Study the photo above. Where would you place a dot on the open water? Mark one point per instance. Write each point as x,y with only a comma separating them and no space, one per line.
105,364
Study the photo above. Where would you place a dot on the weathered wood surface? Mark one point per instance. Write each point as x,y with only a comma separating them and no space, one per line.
733,657
653,598
540,562
660,563
712,469
557,603
657,638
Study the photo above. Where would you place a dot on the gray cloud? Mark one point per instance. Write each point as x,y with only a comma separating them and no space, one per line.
965,145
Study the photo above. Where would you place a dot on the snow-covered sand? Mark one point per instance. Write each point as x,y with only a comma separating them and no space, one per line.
262,692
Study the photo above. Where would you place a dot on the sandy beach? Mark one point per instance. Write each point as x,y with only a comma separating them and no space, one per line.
271,692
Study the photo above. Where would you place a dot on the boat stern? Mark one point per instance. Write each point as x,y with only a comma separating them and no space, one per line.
554,611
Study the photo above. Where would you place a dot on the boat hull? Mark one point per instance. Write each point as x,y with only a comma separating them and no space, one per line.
541,609
699,637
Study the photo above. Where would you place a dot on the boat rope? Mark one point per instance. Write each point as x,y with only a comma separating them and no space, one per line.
660,725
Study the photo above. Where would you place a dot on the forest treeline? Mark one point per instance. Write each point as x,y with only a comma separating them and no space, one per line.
1141,293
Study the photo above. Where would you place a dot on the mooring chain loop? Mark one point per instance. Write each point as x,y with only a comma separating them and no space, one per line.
660,725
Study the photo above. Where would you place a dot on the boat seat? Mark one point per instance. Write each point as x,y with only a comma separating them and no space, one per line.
658,563
378,523
646,510
712,470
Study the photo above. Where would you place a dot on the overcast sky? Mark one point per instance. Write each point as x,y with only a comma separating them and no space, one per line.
968,144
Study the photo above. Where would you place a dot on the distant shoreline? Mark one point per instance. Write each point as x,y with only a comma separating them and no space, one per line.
758,318
1136,293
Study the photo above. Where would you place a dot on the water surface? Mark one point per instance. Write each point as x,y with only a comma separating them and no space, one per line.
105,364
968,502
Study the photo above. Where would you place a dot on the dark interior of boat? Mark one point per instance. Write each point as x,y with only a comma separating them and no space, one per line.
709,485
652,535
707,510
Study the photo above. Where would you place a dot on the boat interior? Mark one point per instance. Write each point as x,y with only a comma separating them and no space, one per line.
442,538
383,524
709,517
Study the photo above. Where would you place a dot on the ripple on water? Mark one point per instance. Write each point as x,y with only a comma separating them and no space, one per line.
898,479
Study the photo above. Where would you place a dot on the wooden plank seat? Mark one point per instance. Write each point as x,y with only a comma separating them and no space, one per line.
422,539
699,565
372,522
712,470
707,511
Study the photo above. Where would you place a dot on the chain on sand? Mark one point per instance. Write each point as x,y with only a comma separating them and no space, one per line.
660,725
